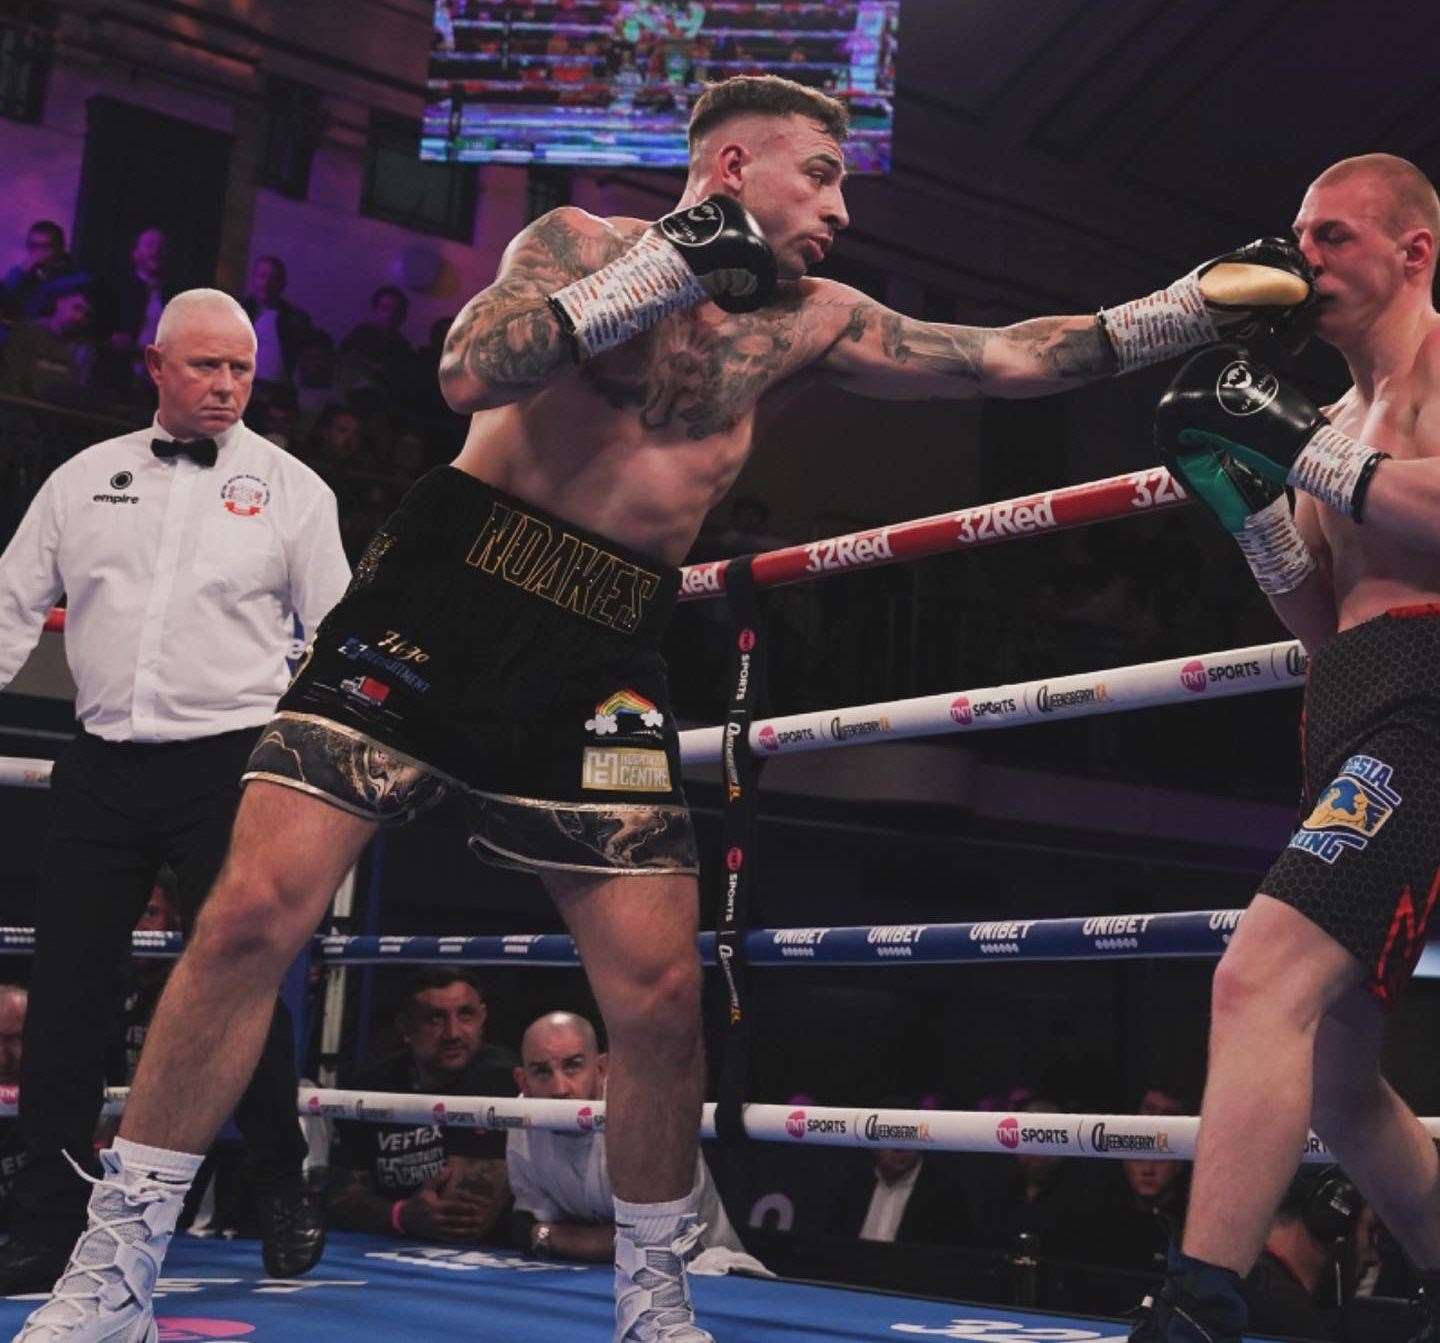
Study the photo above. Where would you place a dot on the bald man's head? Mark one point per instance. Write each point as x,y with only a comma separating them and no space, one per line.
560,1059
202,309
1404,197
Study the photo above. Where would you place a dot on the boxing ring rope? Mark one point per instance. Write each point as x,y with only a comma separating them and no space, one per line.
1150,491
1142,685
1116,1137
1194,934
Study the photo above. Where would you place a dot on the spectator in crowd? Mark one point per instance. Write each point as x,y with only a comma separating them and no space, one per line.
22,291
315,377
335,446
377,356
1044,1198
53,357
13,1000
563,1202
1288,1292
904,1195
184,575
275,415
427,1181
409,456
280,327
137,298
1139,1208
425,397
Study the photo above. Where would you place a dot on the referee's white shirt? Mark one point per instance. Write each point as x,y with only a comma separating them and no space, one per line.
563,1177
180,581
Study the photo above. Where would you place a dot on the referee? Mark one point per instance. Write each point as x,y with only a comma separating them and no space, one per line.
185,551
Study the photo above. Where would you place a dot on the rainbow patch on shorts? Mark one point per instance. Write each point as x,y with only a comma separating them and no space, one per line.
1350,811
608,711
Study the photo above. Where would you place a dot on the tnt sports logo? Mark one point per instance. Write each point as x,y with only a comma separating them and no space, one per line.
190,1330
585,1118
734,858
795,1124
1192,676
244,496
746,641
1007,1131
1241,392
628,702
768,740
961,712
1351,810
438,1112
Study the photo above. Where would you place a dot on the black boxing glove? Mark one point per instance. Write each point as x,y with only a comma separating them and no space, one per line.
713,250
1263,288
1226,403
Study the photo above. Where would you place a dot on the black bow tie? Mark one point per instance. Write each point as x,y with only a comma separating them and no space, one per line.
201,451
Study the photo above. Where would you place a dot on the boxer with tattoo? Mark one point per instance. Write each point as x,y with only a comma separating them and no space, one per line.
500,640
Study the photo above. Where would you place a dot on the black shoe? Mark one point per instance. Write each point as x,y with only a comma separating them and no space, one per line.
1173,1315
292,1228
30,1265
1199,1303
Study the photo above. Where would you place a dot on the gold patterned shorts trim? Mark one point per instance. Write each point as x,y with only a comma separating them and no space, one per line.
354,772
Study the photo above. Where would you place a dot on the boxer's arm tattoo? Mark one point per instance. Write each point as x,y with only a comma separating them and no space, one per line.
953,351
883,353
506,342
1067,346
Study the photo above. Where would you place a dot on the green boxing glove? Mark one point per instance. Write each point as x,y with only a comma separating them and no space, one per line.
1246,495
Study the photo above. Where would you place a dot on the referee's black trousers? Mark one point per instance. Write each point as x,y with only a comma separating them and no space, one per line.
121,809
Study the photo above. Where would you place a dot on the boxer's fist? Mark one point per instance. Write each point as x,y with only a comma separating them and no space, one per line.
1225,403
1262,289
721,242
1226,410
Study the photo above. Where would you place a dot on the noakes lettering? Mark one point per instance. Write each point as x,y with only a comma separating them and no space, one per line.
563,569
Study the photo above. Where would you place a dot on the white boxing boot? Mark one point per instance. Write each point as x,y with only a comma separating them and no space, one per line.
652,1290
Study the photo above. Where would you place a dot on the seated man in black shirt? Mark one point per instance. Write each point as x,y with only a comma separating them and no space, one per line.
423,1180
1290,1291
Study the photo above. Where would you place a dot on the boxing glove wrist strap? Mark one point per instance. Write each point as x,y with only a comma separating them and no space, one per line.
628,296
1275,550
1167,322
1336,470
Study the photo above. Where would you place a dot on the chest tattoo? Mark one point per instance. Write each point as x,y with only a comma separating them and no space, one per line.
695,377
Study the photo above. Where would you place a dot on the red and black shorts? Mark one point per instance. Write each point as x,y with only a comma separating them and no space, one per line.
489,649
1365,863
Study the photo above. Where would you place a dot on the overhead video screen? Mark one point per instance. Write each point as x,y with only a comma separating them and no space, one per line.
611,82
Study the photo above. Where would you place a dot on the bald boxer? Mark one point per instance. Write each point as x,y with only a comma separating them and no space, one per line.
1327,946
501,641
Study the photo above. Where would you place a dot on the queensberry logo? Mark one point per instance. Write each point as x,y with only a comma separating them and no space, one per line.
1351,811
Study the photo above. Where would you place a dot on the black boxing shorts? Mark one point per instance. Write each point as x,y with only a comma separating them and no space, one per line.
1365,863
488,649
